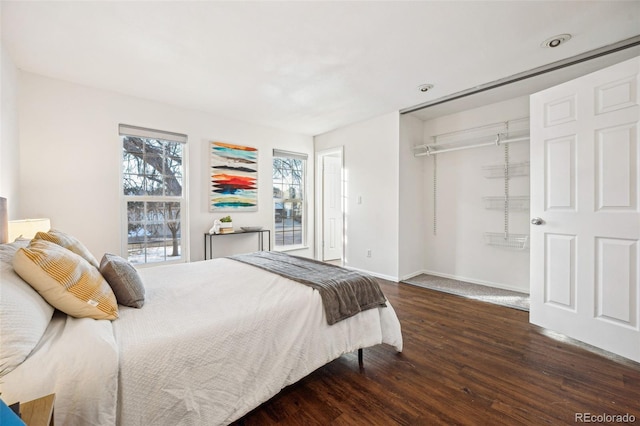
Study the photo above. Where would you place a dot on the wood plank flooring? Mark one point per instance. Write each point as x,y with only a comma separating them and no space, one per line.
464,362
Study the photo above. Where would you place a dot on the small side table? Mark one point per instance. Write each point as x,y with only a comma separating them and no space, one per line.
38,412
208,238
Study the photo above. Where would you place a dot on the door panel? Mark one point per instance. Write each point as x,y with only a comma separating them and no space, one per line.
560,111
560,253
585,178
616,165
616,280
560,180
617,95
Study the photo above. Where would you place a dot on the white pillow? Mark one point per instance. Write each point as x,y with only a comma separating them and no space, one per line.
24,314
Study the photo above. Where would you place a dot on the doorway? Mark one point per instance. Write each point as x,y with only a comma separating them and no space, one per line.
330,206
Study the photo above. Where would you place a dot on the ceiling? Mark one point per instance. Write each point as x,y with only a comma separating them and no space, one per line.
302,66
527,83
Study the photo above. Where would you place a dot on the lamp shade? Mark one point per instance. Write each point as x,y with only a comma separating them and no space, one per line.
27,228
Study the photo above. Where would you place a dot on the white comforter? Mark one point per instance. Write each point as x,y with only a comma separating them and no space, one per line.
217,338
77,359
214,340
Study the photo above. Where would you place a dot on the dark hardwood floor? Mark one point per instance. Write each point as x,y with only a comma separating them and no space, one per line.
464,362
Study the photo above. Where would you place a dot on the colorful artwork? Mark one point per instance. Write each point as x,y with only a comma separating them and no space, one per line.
234,177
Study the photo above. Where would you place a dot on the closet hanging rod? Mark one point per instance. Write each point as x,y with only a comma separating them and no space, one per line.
430,151
521,123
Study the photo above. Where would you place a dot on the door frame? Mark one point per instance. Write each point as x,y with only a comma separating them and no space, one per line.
319,214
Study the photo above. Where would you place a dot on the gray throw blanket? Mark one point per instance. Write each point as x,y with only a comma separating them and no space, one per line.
344,292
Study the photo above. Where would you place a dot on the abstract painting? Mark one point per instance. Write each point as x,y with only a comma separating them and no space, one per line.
234,177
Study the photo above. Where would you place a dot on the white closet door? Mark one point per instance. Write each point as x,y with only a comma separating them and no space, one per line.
585,254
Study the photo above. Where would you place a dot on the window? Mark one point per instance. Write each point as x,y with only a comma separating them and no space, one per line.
289,191
153,194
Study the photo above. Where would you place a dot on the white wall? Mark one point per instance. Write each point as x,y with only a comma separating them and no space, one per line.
371,150
9,153
458,250
412,190
70,160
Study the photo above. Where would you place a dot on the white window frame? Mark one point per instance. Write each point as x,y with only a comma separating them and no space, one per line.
277,153
128,130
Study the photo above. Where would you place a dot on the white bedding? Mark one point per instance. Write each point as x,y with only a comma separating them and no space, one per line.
77,359
213,341
244,350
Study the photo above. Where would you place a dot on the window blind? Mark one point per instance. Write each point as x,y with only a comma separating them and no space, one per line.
289,154
143,132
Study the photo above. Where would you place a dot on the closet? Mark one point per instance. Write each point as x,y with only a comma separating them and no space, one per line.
475,207
476,190
498,135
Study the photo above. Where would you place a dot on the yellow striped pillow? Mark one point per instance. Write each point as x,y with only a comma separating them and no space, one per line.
69,242
66,280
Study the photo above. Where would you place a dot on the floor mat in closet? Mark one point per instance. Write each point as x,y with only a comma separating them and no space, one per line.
511,299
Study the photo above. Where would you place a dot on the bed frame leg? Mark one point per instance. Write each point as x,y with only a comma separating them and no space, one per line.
360,358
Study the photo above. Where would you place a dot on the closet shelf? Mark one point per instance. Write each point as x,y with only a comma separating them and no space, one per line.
518,203
511,241
502,133
515,169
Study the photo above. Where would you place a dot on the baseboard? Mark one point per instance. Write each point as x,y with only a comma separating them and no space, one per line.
375,274
439,274
473,281
413,274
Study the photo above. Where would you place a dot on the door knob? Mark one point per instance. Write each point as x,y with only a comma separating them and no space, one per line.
537,221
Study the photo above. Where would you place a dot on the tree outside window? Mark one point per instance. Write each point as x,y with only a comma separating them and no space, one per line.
288,199
152,179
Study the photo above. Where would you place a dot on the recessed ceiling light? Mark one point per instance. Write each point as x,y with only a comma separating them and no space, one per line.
556,41
425,87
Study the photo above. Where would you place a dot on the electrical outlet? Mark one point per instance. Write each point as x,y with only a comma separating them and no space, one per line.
368,252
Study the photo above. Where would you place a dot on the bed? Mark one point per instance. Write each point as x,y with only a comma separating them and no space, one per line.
214,340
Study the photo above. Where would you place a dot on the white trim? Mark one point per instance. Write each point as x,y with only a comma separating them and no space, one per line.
375,274
411,275
290,248
185,231
472,281
166,262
